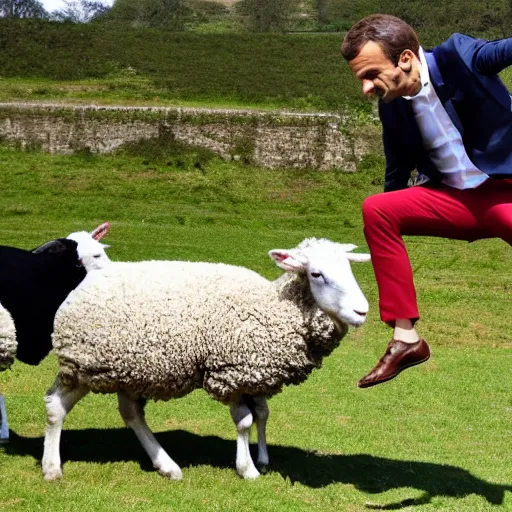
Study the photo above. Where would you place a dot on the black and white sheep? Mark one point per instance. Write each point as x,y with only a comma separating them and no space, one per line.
33,284
160,329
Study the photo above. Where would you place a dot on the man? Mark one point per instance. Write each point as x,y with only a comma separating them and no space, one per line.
446,114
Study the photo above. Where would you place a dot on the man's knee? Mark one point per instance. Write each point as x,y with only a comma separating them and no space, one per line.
373,209
498,221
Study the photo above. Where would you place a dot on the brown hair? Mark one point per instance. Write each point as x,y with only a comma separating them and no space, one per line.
392,34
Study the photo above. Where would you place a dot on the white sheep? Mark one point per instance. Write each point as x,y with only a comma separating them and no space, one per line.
158,330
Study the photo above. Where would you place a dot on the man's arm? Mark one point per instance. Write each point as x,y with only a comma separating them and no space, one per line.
485,57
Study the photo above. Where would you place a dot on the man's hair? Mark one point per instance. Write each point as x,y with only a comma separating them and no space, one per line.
392,34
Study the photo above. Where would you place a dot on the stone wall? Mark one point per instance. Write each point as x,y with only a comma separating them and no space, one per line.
269,139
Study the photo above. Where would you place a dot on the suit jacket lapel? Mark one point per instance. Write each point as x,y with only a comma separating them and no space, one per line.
442,91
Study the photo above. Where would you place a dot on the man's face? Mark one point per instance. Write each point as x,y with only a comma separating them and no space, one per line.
380,77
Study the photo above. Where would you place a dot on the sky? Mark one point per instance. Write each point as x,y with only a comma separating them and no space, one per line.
53,5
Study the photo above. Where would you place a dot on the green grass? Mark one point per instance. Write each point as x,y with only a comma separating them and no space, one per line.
436,438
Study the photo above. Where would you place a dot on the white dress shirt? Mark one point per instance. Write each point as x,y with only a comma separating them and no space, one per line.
441,138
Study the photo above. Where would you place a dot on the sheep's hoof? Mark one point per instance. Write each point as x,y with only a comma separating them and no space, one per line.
249,474
171,473
53,474
262,467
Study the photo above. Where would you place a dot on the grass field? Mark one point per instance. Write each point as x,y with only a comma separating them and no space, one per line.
436,438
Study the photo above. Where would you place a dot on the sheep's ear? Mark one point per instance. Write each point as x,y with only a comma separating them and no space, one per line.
287,260
47,247
359,257
100,231
56,246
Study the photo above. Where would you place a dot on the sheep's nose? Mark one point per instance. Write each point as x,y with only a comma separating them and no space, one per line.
361,313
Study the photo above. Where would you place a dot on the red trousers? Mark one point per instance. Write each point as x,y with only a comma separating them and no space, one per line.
472,214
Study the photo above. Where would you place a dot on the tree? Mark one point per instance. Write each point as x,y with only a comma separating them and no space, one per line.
80,11
268,15
22,9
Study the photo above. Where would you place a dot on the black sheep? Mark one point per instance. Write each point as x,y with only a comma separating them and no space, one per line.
33,284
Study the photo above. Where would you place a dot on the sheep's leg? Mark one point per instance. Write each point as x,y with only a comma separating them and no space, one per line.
4,426
242,417
59,401
132,412
261,413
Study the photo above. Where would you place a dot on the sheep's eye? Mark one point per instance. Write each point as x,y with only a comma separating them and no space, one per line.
97,256
316,274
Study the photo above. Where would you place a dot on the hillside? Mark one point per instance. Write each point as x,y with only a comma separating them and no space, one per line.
44,60
114,64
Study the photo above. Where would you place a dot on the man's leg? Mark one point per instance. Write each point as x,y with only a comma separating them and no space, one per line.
426,211
495,209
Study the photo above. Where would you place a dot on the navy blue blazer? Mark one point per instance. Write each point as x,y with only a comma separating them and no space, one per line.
463,71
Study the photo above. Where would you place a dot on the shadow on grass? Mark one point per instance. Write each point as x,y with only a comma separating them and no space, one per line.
365,472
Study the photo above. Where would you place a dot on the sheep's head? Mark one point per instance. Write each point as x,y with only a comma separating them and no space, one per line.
333,285
91,252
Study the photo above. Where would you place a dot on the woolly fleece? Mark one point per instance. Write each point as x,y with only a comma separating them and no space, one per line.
8,342
161,329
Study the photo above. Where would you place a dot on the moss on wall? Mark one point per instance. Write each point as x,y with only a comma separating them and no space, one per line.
271,139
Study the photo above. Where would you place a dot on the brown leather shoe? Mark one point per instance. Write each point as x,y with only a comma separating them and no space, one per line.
399,356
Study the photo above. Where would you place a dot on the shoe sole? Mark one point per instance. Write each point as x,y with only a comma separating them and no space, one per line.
375,382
